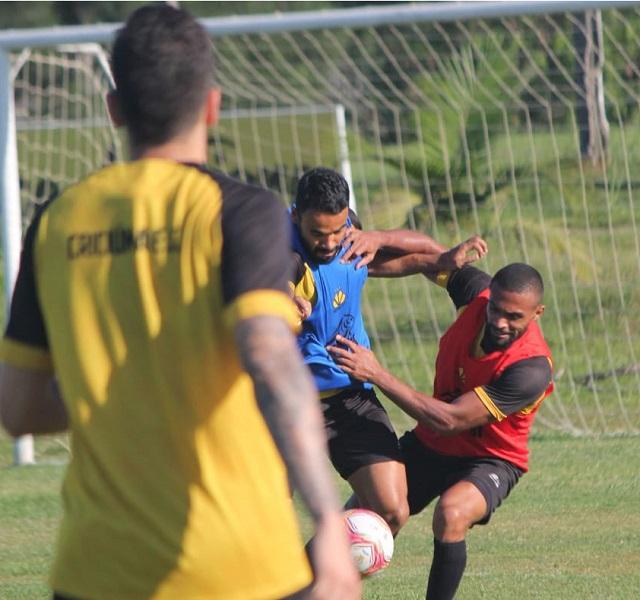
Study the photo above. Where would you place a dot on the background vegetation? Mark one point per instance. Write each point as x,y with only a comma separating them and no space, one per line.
44,14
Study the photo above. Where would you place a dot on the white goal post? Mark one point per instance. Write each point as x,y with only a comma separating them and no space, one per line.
516,121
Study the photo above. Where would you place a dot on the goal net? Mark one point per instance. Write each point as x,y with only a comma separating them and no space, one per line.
520,127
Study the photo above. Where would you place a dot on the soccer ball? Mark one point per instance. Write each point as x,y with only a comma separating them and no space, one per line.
371,540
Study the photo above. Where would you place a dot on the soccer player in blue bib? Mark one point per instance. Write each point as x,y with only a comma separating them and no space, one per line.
334,258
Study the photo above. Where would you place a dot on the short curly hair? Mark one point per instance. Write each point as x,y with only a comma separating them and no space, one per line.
163,65
519,278
324,190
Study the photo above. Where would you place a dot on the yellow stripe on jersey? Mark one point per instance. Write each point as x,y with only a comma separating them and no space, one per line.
25,356
262,302
306,287
496,413
442,278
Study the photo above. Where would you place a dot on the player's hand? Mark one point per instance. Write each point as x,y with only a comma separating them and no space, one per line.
336,576
468,251
361,246
355,360
304,307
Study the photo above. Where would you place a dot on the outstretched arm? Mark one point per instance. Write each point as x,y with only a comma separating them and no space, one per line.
467,252
364,245
288,400
428,263
465,412
402,252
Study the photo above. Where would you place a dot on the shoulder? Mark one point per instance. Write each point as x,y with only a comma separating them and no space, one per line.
522,384
235,191
256,249
249,208
534,372
300,268
39,211
466,284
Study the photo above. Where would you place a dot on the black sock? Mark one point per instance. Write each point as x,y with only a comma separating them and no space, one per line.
447,568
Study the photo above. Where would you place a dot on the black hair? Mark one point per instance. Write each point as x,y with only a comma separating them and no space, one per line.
323,190
163,64
519,278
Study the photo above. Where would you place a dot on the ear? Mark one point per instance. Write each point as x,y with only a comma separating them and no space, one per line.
539,311
214,99
113,105
295,216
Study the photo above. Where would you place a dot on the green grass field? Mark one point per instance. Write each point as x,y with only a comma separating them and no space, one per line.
569,531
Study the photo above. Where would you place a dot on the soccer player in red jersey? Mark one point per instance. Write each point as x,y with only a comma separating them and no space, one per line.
470,445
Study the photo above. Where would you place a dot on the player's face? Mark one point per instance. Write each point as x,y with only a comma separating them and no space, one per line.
322,233
509,315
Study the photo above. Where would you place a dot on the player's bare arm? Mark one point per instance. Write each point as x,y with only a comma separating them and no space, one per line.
304,307
465,412
364,245
428,263
457,257
285,393
30,402
284,390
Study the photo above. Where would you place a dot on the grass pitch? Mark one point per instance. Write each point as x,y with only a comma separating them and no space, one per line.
569,531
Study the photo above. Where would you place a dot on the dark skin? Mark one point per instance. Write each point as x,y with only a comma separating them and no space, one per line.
508,316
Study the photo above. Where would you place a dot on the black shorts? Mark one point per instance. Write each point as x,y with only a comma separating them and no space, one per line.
359,430
429,474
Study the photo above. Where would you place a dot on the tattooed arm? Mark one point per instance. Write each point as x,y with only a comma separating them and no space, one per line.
288,400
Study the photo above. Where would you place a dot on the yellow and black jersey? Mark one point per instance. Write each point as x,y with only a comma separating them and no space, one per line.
130,285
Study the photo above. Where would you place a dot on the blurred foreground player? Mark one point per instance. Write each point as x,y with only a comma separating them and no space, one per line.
150,300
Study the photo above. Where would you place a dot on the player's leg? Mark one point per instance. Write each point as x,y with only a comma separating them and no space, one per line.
428,476
363,447
477,491
382,488
457,510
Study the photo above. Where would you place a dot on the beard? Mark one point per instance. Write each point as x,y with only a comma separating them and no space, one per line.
324,258
496,339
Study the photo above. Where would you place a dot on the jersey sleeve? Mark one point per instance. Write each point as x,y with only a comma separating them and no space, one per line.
299,269
304,285
465,284
256,253
519,388
25,343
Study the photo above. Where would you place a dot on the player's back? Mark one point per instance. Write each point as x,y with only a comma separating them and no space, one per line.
165,428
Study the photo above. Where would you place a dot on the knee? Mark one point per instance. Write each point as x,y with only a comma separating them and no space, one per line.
396,516
450,522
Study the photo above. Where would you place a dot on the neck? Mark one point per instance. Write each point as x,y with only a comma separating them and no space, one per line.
188,147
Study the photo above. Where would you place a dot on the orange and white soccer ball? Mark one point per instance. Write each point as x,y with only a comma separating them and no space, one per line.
371,540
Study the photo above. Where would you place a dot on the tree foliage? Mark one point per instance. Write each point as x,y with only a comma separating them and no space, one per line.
19,15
